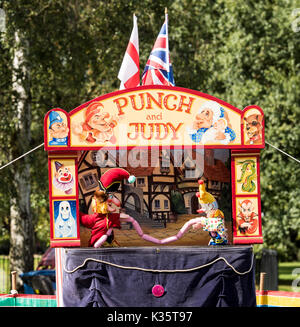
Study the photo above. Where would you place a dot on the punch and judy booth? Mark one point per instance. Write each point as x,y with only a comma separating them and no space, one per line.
155,199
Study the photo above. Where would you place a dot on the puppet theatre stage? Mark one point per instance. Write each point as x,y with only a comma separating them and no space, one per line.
222,276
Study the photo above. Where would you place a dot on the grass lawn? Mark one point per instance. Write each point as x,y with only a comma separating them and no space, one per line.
286,278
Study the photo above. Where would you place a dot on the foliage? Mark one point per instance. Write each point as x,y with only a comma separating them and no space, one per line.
243,52
247,53
287,274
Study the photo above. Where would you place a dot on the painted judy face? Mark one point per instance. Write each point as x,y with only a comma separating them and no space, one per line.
98,122
63,175
59,130
209,207
204,119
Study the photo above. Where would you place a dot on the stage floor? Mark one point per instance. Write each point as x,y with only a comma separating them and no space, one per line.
129,237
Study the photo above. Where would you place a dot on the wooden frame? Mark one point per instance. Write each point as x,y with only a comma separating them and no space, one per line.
57,196
168,113
249,197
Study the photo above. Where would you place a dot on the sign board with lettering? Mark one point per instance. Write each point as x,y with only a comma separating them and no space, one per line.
152,116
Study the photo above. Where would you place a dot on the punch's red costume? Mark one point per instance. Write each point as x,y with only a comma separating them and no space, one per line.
99,223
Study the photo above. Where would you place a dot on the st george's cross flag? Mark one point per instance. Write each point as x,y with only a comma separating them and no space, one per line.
129,73
158,70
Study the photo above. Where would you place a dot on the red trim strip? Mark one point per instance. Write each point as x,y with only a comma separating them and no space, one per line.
248,240
64,243
279,293
98,147
263,122
237,239
31,296
61,242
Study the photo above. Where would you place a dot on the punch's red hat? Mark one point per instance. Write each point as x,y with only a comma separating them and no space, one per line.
93,109
112,178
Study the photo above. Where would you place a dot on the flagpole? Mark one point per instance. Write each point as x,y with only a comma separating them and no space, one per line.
168,52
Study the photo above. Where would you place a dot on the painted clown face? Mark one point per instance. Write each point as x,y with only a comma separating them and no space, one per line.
63,175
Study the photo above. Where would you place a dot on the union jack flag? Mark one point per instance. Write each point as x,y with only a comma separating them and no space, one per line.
158,70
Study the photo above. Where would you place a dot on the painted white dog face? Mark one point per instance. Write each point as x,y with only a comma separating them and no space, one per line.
65,210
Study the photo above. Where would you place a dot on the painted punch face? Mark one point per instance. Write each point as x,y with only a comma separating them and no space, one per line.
98,122
113,200
102,202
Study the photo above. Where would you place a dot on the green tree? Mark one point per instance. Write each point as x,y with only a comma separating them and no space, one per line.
246,52
68,52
